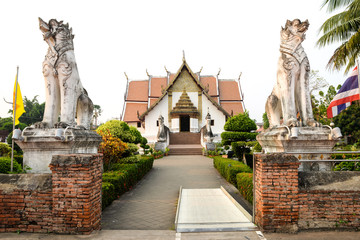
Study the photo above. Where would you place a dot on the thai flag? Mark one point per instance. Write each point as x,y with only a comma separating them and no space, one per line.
348,92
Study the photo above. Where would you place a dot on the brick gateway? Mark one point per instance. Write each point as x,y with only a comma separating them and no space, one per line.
66,201
284,205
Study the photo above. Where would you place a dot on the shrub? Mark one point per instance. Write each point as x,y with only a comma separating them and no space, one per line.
5,165
240,123
112,149
228,137
117,129
5,150
347,166
132,148
245,185
134,132
108,195
123,177
228,168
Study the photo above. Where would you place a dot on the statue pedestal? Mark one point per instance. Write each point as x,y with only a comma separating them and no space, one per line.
160,146
39,145
306,143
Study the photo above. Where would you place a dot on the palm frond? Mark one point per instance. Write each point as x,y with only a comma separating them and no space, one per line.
335,4
346,54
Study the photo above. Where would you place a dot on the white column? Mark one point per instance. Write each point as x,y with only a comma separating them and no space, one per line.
194,125
175,125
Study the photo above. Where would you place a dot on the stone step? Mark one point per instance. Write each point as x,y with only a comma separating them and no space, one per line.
185,138
185,149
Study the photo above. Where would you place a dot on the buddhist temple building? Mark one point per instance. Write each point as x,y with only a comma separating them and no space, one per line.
183,99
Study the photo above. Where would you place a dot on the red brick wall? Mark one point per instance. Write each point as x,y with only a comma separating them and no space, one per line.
70,204
282,207
321,209
276,192
25,210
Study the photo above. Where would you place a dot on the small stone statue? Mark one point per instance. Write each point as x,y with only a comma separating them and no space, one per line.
208,135
65,95
162,131
291,93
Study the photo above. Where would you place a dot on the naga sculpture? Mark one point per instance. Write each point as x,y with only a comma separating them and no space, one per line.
291,94
65,95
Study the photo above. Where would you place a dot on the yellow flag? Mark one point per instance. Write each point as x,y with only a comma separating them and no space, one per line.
18,104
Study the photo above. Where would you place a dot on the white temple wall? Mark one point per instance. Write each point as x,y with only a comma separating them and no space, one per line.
151,130
216,115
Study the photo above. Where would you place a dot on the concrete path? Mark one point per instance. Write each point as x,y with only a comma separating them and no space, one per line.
151,205
210,210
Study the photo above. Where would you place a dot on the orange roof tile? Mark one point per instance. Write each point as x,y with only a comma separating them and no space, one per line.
171,78
131,109
236,107
138,91
211,82
152,101
229,90
157,84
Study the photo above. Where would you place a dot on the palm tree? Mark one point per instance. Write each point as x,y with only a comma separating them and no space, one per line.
343,27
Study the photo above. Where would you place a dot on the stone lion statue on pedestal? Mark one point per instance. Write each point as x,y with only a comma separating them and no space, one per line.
291,94
65,95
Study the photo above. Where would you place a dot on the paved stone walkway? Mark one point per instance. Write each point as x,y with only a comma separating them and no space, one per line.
151,205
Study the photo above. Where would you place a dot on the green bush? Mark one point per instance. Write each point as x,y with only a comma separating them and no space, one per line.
5,150
228,168
5,165
118,129
108,195
257,147
245,185
123,177
240,123
132,148
347,166
228,137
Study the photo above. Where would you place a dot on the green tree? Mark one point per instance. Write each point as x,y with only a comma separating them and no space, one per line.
343,27
320,105
34,111
120,130
265,121
239,133
349,123
97,112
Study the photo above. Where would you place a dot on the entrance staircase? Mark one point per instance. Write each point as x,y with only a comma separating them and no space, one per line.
185,143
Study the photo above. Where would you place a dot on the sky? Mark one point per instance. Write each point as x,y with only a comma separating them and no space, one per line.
113,37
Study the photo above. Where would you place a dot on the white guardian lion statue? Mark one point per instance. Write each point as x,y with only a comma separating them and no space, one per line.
65,95
291,94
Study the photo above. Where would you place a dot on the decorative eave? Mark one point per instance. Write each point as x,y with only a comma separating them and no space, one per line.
194,76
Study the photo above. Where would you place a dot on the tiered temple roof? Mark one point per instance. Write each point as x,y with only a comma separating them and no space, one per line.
141,95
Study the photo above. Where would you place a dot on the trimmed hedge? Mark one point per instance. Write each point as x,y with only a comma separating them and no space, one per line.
228,137
245,185
122,178
229,168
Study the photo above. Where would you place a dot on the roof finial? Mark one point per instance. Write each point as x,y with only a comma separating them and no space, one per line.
219,72
166,69
184,56
126,76
239,76
147,73
200,69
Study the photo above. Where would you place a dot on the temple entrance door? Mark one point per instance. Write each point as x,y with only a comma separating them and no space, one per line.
184,123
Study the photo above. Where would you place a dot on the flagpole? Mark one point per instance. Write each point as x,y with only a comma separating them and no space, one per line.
14,114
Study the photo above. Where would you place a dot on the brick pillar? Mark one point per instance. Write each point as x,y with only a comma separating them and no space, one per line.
76,183
276,192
